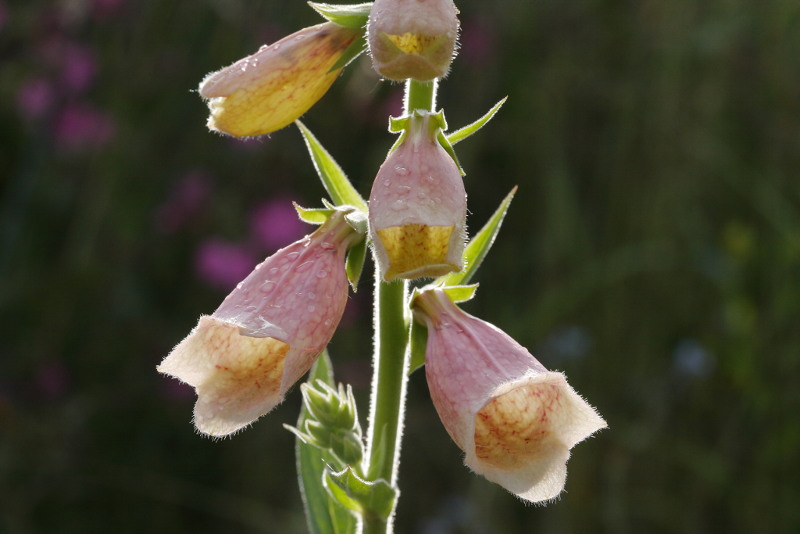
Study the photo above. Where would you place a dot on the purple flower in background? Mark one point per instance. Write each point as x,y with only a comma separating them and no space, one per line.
222,264
77,67
79,125
275,223
187,199
35,97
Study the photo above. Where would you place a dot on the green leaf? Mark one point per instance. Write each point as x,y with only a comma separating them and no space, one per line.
479,246
418,342
362,497
355,263
324,516
448,147
351,15
333,177
466,131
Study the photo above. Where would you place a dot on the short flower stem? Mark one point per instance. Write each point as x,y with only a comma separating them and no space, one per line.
390,363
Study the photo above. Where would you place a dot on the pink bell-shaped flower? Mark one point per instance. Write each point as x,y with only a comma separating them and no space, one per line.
273,87
418,206
515,420
267,333
412,38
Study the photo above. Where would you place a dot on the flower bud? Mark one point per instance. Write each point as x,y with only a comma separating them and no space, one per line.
412,38
267,333
418,207
515,420
273,87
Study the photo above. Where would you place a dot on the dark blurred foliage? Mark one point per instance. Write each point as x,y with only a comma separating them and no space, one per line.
652,253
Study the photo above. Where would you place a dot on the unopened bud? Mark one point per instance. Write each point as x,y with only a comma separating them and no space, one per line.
412,38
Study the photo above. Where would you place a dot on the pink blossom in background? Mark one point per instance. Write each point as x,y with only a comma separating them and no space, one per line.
35,98
222,264
275,223
77,66
187,200
81,126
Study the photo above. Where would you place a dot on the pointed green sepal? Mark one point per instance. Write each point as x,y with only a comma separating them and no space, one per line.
313,215
479,246
323,515
350,15
448,147
460,293
354,264
333,177
417,344
356,48
466,131
361,497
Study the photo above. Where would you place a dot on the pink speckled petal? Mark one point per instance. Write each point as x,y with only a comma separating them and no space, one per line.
515,420
267,333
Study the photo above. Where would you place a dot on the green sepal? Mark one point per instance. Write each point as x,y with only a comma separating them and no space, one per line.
313,215
417,344
448,147
354,263
361,497
323,514
356,48
478,246
466,131
333,177
349,15
460,293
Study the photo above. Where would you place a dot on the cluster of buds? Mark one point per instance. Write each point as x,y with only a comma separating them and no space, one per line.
515,420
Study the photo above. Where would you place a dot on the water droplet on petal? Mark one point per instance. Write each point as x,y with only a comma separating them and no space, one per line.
399,205
303,267
387,182
327,245
401,171
322,273
267,287
311,308
273,270
292,256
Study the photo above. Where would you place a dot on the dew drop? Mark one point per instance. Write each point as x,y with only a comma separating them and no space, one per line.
327,322
429,179
268,287
404,189
398,205
401,171
327,245
292,256
311,307
276,46
263,47
322,273
437,200
273,270
303,267
387,182
311,295
421,195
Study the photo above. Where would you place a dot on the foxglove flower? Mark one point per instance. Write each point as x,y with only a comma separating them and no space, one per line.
515,420
412,38
418,206
273,87
267,333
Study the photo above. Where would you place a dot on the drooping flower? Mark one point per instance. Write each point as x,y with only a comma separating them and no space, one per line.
272,88
418,206
515,420
267,333
412,38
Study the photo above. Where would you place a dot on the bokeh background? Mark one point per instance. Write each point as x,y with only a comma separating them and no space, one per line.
652,253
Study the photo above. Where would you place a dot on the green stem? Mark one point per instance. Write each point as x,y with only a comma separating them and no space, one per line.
390,362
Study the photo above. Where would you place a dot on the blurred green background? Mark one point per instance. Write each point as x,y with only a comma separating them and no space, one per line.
652,253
